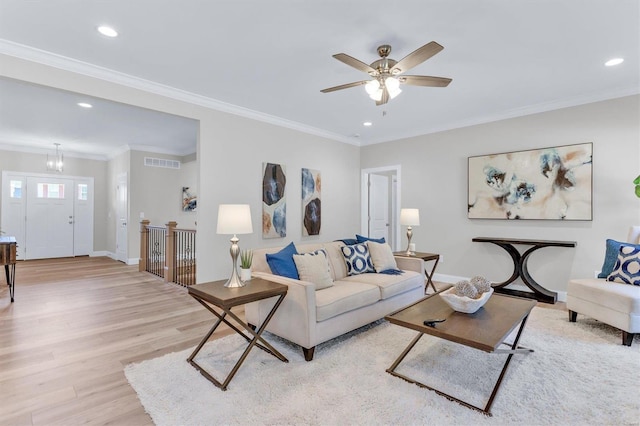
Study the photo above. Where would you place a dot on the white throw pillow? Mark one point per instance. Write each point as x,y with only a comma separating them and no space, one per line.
314,268
381,256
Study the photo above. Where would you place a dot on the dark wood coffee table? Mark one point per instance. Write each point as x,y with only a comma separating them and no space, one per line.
485,330
216,294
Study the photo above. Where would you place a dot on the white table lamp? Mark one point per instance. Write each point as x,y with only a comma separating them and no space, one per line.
409,218
234,219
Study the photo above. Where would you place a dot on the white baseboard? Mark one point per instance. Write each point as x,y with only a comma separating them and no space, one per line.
452,279
131,261
100,254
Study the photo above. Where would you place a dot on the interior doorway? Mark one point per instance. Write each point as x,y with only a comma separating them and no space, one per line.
380,209
122,219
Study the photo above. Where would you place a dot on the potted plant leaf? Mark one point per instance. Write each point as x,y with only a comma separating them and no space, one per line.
246,259
637,183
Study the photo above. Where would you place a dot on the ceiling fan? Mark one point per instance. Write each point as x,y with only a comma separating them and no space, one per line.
386,73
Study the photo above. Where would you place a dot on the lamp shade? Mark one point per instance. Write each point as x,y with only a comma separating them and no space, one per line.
234,219
410,217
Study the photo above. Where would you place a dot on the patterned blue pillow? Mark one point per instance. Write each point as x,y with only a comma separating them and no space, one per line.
358,259
627,269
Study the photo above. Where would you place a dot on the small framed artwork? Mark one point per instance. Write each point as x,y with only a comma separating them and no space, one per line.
552,183
311,202
274,201
189,200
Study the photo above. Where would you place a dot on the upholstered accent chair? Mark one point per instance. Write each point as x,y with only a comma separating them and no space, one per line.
613,303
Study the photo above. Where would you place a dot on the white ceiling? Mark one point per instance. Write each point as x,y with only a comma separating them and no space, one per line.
270,59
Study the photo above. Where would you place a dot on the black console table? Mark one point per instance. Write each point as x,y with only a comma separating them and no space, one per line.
520,266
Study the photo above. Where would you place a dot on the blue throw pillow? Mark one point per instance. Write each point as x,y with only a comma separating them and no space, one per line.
362,239
358,259
627,268
348,241
282,263
610,257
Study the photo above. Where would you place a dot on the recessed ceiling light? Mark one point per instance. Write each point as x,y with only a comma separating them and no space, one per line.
107,31
614,61
367,123
84,105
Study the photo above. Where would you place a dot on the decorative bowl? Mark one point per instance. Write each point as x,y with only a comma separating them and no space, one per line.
463,303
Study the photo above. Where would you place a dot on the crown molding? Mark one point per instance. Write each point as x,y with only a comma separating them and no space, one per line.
521,112
33,54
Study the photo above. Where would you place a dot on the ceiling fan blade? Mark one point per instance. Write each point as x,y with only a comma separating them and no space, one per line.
416,57
353,62
384,99
344,86
425,80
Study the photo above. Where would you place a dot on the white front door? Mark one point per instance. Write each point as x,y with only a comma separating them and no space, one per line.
121,218
49,227
379,206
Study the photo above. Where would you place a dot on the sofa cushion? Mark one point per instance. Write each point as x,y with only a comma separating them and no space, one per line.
281,263
314,268
344,297
336,259
390,285
618,297
381,256
627,268
357,259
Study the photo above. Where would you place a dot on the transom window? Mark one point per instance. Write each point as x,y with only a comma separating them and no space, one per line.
51,190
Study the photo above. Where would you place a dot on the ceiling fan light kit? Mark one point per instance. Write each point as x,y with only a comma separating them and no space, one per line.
385,72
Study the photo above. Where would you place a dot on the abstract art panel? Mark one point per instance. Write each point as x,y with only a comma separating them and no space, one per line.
274,201
549,183
189,200
311,205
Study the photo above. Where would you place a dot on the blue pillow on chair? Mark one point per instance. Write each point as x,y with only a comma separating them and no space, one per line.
611,256
282,263
361,239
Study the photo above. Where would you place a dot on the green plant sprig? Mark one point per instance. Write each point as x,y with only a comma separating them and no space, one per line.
246,259
637,183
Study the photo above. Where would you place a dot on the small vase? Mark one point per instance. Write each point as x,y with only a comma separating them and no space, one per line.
245,274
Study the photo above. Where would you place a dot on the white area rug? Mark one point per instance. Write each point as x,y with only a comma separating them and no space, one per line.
579,374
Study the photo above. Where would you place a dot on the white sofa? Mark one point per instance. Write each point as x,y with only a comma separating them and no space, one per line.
308,317
612,303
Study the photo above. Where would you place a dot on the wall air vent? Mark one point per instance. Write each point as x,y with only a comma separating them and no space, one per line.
161,162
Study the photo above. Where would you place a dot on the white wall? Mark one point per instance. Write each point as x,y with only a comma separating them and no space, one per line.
434,179
157,192
231,150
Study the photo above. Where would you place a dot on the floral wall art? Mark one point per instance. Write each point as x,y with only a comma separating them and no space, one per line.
311,204
274,201
548,183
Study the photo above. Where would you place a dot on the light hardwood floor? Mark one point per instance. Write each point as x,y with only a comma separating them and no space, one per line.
75,325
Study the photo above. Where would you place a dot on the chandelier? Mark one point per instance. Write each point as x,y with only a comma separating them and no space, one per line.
55,163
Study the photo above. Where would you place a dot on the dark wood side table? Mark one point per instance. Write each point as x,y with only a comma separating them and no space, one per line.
216,294
8,259
426,257
520,266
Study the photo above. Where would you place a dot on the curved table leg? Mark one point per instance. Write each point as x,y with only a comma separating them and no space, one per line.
521,270
547,295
